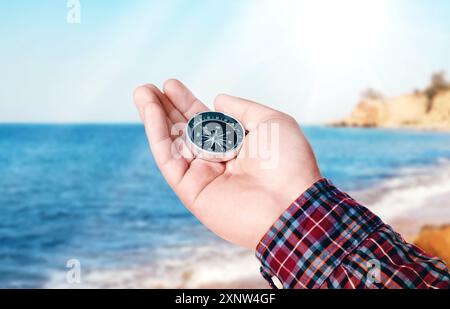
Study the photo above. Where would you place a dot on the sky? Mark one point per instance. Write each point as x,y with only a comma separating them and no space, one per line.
311,59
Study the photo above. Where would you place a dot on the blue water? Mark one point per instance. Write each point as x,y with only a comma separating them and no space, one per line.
93,192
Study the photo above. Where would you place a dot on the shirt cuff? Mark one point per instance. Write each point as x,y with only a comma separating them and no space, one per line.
313,236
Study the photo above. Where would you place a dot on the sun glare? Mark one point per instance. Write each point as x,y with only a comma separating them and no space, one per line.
333,31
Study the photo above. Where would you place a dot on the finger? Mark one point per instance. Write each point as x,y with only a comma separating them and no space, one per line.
248,112
173,114
175,121
172,165
183,99
196,180
177,124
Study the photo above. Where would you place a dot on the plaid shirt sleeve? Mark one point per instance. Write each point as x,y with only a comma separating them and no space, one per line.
325,239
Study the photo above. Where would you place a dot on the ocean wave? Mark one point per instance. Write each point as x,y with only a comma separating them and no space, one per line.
199,267
410,190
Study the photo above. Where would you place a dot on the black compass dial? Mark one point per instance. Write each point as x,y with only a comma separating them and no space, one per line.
215,132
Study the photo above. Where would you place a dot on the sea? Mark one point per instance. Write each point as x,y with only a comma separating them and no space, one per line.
94,195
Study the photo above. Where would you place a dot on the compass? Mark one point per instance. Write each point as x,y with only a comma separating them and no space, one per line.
214,136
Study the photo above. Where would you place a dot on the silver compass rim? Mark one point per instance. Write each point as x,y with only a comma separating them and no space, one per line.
213,155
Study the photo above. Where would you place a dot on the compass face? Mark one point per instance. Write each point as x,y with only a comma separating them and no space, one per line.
215,132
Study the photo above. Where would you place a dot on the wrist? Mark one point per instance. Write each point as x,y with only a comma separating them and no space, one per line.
309,236
293,191
297,187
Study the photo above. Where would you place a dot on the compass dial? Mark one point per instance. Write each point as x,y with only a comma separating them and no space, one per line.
215,133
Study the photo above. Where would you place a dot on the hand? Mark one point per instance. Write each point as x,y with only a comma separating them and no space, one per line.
238,200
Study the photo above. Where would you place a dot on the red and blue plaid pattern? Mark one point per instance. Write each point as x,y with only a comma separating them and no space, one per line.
325,239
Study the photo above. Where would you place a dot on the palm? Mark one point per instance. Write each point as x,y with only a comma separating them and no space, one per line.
239,199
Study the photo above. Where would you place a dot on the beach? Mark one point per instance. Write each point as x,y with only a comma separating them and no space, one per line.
93,193
408,201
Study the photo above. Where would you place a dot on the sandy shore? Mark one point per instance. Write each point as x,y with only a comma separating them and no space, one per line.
407,202
255,283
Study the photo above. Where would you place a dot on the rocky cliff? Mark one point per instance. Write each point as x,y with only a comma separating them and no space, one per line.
415,110
435,241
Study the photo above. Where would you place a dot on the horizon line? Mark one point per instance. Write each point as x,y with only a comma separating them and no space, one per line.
55,123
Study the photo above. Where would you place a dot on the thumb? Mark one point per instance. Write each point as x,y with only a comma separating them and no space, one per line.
249,113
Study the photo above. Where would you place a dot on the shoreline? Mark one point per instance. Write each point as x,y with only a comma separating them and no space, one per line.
412,198
424,129
227,267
